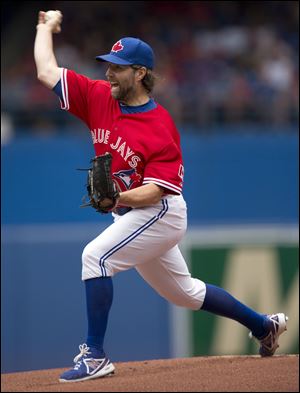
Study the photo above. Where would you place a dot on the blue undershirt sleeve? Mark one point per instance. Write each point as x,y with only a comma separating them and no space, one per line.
58,90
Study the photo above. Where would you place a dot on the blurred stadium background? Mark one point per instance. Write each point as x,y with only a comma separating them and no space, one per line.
230,80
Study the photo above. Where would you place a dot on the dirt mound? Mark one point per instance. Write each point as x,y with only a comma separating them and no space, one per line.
198,374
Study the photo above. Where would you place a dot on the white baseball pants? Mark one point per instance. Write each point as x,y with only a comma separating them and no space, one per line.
147,239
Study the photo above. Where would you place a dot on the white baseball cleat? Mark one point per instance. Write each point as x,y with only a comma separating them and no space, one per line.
277,324
88,365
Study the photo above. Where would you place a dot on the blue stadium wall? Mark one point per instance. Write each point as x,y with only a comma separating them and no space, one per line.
232,179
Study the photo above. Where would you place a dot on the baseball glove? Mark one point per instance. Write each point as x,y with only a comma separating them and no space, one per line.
101,189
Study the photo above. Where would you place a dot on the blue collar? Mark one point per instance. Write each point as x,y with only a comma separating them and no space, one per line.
126,109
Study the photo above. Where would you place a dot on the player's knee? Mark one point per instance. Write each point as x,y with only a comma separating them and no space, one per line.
87,255
192,303
90,263
193,297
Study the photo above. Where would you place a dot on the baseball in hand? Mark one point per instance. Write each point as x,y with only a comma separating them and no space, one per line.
55,18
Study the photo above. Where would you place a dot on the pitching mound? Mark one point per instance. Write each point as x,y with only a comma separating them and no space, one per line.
198,374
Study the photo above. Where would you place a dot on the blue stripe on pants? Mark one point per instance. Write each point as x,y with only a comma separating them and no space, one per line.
132,236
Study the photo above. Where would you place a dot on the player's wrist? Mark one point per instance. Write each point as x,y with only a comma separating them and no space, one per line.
44,26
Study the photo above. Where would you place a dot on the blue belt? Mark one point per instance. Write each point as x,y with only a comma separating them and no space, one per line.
122,210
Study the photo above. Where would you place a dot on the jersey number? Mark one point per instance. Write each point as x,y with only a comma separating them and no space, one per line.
181,172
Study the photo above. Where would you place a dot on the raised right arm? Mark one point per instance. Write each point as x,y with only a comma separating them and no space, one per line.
48,71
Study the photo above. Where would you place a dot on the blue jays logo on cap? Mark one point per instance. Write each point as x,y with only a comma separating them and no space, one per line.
117,47
129,51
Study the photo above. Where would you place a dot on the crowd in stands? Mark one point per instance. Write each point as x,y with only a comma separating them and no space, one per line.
220,62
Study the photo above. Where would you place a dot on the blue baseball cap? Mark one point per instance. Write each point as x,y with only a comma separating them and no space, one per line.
129,51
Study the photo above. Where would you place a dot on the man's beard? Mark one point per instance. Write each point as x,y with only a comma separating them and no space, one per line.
123,94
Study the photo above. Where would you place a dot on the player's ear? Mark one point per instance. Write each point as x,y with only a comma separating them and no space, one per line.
140,73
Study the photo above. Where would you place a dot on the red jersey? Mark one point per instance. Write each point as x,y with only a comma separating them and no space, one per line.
145,146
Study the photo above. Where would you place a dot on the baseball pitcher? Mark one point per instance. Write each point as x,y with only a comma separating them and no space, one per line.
137,176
